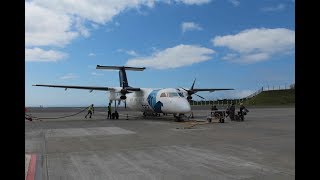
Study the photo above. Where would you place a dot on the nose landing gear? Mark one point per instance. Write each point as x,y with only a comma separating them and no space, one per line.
180,117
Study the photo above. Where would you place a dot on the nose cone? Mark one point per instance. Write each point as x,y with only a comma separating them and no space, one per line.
176,105
184,106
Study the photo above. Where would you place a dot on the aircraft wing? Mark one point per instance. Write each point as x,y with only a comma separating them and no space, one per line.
91,88
210,90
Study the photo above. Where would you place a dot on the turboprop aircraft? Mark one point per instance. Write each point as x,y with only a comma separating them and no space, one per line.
147,100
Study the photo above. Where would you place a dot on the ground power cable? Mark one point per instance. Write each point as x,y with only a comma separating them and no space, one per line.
30,117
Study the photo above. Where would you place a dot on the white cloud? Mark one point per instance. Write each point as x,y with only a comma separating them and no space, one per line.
94,26
79,24
190,26
129,52
246,58
193,2
40,55
132,53
45,27
254,45
94,10
91,54
96,74
235,2
178,56
230,56
255,57
277,8
56,23
69,76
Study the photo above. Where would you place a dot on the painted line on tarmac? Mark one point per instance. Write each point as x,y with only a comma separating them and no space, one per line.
26,165
32,168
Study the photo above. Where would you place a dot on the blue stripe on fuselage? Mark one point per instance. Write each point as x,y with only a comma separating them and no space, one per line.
152,101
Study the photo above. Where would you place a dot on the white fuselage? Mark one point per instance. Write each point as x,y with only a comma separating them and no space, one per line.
165,100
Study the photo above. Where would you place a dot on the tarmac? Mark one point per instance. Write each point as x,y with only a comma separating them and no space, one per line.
137,148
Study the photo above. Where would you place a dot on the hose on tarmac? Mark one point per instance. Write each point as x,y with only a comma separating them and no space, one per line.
30,117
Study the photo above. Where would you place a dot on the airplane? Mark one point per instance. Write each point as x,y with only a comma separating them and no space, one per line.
147,100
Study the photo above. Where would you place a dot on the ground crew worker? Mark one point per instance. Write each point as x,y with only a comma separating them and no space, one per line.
109,111
90,111
228,111
232,110
243,110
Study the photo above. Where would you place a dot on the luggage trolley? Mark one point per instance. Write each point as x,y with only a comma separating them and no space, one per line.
217,114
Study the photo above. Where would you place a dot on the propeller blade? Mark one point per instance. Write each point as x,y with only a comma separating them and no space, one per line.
193,84
200,96
184,89
190,92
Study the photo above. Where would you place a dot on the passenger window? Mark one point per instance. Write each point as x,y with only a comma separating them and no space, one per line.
163,95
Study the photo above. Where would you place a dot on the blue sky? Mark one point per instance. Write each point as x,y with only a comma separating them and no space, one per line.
240,44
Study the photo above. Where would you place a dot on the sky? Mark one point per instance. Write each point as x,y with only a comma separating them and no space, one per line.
240,44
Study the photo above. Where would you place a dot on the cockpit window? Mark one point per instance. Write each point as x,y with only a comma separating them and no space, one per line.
173,94
163,95
180,94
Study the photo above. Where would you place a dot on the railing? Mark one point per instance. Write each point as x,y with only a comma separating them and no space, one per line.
271,88
222,102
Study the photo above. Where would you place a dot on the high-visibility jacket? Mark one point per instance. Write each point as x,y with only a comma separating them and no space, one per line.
109,108
90,108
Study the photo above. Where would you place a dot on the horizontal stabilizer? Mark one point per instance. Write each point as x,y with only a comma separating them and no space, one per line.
121,68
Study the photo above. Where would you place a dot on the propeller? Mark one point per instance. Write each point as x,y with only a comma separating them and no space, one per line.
191,91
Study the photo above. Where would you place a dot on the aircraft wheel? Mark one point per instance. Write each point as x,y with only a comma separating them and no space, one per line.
221,120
